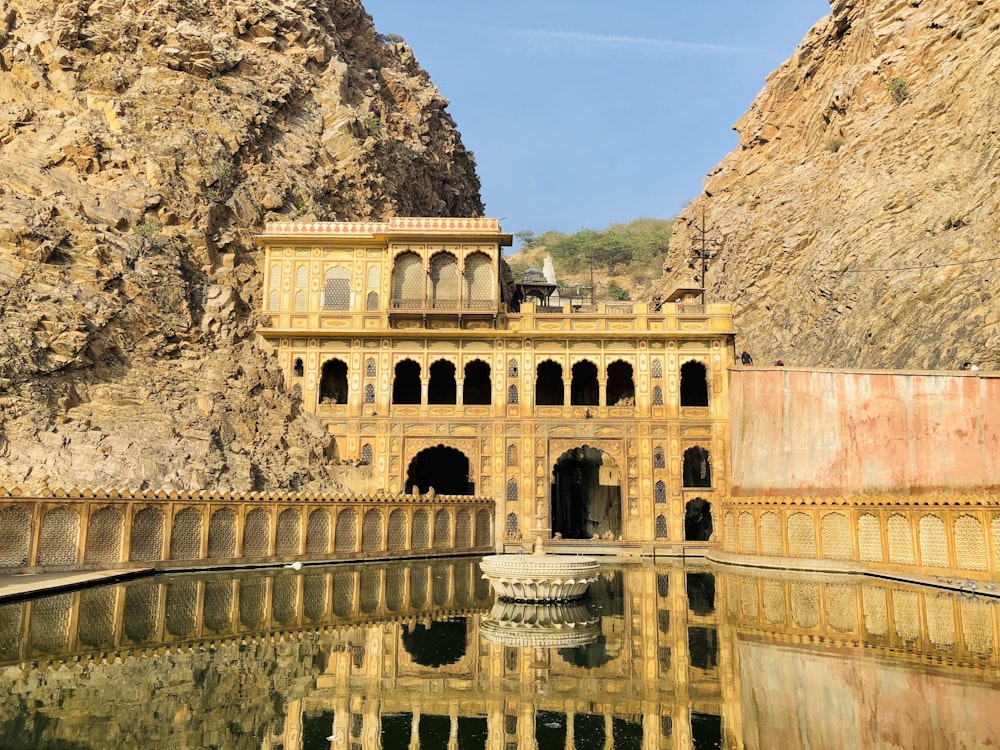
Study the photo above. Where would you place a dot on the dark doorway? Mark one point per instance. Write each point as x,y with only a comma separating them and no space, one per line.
621,389
316,729
606,598
435,644
396,730
694,384
550,729
698,520
549,384
406,383
697,467
703,646
583,389
701,593
706,731
442,388
333,383
443,468
476,389
586,495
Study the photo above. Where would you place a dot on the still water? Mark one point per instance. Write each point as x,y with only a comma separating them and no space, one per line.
418,655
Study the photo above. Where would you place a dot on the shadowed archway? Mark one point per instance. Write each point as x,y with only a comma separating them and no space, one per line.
586,495
444,468
698,520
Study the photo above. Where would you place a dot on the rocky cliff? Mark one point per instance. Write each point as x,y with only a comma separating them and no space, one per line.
857,223
142,144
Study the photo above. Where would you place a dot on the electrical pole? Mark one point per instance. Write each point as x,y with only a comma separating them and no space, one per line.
704,249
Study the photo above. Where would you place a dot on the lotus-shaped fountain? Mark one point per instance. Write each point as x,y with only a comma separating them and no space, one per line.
540,625
539,577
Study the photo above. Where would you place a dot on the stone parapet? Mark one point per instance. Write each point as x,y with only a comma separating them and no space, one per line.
948,540
87,529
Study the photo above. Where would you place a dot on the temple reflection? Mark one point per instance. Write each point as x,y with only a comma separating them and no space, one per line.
417,655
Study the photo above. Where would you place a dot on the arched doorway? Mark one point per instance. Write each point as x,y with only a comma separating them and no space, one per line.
333,382
437,643
698,520
586,495
697,467
694,384
442,387
443,468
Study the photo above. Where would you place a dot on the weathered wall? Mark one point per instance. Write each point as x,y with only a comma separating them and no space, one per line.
838,433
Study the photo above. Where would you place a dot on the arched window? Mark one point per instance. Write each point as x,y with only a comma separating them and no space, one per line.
337,289
406,383
657,368
366,454
512,368
369,393
301,282
657,396
512,455
479,278
372,301
659,459
298,370
442,388
661,527
274,296
333,383
370,367
694,384
621,389
583,389
444,280
549,384
476,387
660,493
374,277
407,280
697,467
512,395
512,489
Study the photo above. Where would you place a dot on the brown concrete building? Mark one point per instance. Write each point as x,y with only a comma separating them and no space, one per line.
606,423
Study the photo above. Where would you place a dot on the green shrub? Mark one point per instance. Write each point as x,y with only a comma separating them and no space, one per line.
898,89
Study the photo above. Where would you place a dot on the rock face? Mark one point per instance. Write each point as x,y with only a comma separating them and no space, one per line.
857,222
142,144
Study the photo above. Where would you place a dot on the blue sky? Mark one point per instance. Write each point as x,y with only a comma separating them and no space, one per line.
584,113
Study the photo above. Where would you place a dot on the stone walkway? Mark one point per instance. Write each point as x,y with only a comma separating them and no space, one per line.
19,585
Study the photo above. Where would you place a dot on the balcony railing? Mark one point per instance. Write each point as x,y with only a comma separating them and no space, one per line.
445,305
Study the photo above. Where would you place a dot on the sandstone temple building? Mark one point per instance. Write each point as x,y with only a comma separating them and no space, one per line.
604,422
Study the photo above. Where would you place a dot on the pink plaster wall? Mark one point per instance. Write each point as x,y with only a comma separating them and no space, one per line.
836,433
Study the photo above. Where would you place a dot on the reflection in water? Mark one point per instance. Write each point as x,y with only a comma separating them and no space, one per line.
418,655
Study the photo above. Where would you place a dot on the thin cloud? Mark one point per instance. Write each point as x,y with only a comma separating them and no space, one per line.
601,44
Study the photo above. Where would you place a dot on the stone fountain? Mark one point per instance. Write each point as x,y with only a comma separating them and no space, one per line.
539,577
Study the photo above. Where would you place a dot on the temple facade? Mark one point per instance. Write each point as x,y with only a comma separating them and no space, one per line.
588,424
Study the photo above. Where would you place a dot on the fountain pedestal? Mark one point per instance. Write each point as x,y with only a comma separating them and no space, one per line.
539,577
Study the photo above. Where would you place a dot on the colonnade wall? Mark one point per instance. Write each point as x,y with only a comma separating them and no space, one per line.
183,530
